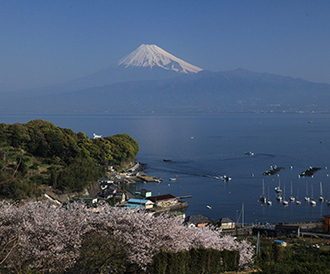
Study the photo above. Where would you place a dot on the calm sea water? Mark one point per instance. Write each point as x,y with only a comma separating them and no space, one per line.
204,147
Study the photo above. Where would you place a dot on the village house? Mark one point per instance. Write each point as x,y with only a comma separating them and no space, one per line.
226,223
287,230
120,195
165,200
104,183
139,203
111,191
198,220
142,194
326,224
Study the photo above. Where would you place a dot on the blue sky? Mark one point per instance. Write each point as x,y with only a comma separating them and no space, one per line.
45,42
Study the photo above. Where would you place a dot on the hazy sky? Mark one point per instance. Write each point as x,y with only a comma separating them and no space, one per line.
45,42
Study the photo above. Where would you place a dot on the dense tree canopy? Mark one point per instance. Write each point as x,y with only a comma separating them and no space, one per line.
46,154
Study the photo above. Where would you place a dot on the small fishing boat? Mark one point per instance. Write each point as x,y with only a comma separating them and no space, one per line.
278,189
95,136
226,178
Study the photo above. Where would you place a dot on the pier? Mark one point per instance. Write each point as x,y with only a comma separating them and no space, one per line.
309,172
273,170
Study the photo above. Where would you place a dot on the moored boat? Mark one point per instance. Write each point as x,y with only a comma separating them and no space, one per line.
263,199
321,198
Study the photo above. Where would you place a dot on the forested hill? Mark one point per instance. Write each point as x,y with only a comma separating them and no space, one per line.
39,154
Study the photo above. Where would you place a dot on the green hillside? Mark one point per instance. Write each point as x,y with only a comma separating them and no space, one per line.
39,154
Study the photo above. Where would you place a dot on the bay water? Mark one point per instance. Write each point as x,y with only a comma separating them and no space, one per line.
204,147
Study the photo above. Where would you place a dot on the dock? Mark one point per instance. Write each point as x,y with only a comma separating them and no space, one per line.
142,177
309,172
273,170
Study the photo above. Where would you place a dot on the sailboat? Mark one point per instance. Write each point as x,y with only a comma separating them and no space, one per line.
269,202
297,201
321,198
307,199
278,191
292,199
313,202
284,202
263,199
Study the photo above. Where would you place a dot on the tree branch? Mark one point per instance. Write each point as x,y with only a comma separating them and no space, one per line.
12,248
12,177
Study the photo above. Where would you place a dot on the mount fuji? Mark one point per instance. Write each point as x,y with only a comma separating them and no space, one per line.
147,62
153,56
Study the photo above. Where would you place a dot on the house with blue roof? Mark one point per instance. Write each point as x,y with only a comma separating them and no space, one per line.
139,203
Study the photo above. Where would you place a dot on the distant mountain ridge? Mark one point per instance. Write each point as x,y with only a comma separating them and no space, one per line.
150,80
205,92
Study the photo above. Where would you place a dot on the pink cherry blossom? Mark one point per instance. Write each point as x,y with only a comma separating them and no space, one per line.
50,237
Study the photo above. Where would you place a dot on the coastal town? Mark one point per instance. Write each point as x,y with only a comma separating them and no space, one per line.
112,190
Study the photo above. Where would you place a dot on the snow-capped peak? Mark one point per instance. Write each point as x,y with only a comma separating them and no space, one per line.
152,55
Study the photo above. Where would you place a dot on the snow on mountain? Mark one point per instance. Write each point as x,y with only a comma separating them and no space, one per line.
152,55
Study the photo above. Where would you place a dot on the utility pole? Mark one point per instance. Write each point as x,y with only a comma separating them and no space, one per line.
258,244
242,214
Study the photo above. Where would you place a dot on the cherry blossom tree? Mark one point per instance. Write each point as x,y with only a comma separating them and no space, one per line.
145,235
50,238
